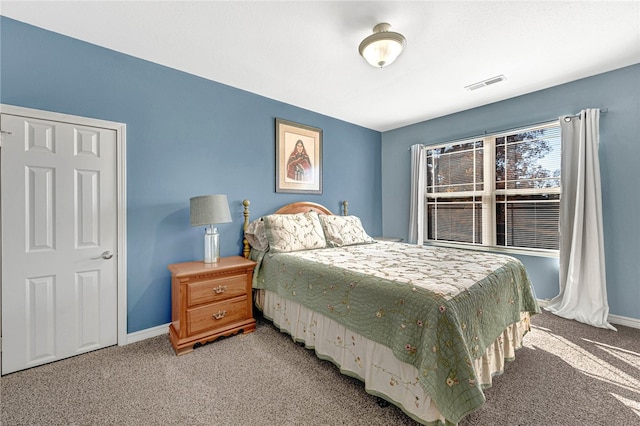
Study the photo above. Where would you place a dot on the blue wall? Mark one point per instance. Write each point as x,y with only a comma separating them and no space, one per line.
186,136
619,91
189,136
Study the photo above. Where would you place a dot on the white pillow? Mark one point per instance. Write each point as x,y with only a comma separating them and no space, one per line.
293,232
256,235
344,231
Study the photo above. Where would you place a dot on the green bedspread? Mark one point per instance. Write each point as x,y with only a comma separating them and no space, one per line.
436,308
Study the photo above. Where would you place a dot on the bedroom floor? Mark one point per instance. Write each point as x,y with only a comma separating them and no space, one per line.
566,374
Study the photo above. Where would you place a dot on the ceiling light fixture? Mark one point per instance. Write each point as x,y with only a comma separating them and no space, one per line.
383,46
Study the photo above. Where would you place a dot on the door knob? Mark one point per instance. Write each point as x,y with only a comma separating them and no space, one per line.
105,255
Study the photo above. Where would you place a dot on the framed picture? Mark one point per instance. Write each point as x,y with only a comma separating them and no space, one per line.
298,158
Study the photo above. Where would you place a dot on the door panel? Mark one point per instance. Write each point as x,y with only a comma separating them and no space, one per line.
59,294
40,332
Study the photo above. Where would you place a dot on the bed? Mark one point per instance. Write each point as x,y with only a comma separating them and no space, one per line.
425,328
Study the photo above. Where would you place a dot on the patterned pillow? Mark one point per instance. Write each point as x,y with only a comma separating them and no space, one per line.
293,232
256,235
344,231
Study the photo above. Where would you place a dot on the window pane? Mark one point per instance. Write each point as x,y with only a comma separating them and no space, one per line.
455,168
501,158
457,219
479,164
529,160
528,221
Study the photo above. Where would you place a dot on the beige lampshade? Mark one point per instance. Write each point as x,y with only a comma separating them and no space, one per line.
209,210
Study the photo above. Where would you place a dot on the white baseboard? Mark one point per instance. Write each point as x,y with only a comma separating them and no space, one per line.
164,329
613,319
148,333
543,303
626,321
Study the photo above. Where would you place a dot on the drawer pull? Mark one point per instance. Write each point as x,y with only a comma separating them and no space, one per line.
219,315
220,289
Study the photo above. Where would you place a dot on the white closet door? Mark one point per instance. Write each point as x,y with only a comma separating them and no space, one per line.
59,240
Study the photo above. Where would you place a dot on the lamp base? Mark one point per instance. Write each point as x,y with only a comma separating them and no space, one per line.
211,245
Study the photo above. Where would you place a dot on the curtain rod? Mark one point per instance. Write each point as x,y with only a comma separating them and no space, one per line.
602,111
569,117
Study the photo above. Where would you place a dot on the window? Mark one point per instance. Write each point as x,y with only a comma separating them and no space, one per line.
498,190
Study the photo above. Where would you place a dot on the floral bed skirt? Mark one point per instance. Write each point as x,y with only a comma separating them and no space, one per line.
374,364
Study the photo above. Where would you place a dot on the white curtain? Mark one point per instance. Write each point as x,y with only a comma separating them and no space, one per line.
418,184
583,290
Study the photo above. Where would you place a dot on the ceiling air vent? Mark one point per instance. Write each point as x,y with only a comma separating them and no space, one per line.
483,83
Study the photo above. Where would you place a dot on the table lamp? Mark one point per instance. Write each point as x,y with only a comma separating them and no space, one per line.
210,210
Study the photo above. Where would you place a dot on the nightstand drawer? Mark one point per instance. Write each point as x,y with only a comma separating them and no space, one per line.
216,289
216,315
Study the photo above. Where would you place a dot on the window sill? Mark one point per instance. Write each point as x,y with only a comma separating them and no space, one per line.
497,249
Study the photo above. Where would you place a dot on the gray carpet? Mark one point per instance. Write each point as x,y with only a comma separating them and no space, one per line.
567,374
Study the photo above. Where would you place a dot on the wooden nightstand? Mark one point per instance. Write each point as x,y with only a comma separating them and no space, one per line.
209,301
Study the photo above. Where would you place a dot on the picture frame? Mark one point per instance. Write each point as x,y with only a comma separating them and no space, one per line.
298,158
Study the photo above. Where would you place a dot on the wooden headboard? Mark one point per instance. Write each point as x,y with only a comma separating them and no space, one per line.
303,207
298,207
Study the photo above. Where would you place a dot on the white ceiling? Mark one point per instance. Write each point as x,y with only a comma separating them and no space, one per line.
305,53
